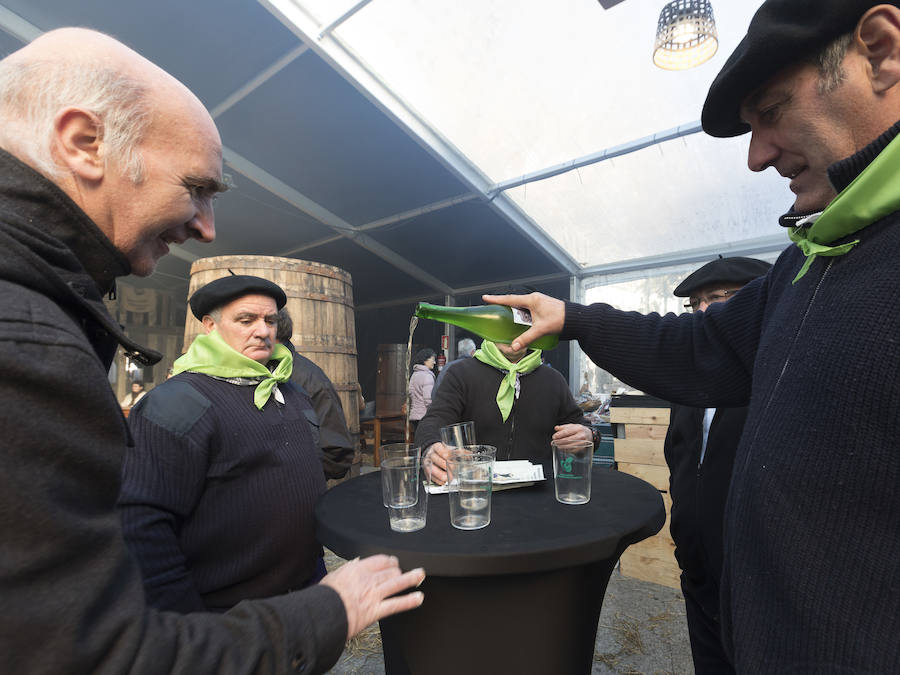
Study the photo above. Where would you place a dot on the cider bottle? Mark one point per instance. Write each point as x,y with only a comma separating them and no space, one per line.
496,323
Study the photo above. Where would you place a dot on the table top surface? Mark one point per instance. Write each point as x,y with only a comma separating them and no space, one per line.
529,531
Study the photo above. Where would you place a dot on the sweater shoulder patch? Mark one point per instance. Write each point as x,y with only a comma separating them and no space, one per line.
176,407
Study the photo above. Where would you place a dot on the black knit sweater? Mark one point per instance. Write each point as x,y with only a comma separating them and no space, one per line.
812,535
218,497
469,392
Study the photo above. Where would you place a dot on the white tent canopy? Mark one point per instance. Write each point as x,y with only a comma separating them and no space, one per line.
515,87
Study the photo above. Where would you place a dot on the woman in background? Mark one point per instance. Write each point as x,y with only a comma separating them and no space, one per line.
420,385
137,393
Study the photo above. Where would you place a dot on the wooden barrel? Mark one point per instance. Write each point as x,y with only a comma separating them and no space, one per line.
320,301
390,379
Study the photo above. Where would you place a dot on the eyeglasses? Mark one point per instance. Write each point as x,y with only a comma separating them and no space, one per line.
694,302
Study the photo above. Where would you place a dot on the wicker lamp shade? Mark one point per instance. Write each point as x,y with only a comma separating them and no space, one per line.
686,35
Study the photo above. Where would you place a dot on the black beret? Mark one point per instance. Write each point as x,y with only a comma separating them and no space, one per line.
220,292
782,33
722,271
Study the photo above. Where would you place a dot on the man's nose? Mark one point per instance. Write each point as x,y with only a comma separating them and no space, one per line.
203,225
762,153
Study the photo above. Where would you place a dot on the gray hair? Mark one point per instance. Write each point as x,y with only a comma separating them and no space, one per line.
33,91
830,61
465,346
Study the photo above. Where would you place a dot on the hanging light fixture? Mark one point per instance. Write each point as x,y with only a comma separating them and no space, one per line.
686,35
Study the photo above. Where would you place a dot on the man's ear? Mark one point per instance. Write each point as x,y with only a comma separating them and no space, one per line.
878,34
79,143
209,325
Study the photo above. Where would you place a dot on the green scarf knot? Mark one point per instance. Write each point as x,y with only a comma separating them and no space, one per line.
870,197
508,391
211,355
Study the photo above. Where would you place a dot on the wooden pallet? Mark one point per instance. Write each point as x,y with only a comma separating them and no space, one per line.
640,453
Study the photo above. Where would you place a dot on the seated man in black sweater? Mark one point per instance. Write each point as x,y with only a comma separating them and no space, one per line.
518,405
219,489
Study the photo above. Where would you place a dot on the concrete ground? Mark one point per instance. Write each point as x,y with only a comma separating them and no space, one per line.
642,631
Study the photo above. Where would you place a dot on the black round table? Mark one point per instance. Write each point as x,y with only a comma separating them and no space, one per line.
522,594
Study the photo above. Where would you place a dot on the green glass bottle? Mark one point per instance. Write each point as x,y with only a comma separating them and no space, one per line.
496,323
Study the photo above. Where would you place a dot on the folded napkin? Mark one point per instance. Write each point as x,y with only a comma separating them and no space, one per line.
513,473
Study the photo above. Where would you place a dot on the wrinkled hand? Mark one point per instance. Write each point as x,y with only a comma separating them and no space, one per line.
547,315
436,456
365,586
567,434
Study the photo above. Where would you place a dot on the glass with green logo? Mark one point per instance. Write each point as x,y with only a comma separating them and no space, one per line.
572,460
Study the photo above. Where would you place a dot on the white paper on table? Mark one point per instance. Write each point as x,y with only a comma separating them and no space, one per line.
512,473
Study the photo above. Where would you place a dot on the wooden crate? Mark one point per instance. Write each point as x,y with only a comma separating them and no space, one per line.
639,452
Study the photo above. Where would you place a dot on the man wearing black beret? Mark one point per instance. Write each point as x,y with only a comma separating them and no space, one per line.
700,447
219,489
811,580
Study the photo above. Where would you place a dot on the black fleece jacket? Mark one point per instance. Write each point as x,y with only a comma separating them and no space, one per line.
71,594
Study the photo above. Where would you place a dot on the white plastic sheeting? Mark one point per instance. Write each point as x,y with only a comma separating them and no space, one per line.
520,85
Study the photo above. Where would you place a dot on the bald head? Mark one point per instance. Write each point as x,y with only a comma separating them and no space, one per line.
92,115
81,68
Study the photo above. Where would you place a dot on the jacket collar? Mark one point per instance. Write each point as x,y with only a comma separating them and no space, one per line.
54,248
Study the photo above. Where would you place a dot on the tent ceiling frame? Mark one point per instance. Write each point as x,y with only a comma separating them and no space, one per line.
342,18
601,156
345,63
300,201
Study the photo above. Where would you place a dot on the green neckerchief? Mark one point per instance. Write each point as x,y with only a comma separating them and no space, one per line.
871,196
211,355
492,356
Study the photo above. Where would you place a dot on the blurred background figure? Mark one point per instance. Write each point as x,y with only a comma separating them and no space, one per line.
421,384
137,393
327,417
464,350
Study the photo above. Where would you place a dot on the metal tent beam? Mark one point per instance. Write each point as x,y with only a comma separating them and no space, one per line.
342,18
323,215
15,25
594,158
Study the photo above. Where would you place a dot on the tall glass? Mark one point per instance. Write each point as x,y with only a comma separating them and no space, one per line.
572,470
458,435
470,472
396,484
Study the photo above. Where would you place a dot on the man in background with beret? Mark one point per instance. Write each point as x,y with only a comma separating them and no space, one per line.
219,489
700,447
811,579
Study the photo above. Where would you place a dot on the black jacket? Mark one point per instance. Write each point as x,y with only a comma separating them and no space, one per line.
329,422
71,594
698,494
469,392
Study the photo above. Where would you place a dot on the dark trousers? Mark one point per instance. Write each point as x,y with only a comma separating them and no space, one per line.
706,637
